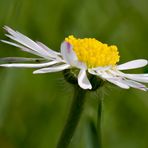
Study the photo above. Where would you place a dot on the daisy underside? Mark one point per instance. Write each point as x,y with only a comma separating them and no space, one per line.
88,55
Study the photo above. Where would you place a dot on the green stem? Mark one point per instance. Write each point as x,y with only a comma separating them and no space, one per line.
73,117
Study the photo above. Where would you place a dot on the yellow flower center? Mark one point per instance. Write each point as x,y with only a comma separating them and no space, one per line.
93,52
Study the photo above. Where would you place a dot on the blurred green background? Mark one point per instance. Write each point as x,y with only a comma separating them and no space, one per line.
33,108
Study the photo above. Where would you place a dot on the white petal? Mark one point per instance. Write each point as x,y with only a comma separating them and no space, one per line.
101,68
47,49
80,65
118,82
83,80
68,54
101,74
93,72
28,43
133,64
22,47
52,69
135,85
25,41
111,78
24,65
104,75
139,75
70,57
136,77
20,59
143,79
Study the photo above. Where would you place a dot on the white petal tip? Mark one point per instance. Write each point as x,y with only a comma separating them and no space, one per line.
5,65
145,89
83,80
7,28
133,64
37,72
86,87
90,87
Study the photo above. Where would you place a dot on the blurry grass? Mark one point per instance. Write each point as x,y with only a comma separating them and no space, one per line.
33,108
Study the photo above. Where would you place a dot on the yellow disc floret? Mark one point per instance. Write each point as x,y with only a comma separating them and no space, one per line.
93,52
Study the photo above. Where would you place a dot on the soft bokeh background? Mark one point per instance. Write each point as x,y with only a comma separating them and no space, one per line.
33,108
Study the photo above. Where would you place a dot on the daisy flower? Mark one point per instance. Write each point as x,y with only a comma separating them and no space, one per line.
88,55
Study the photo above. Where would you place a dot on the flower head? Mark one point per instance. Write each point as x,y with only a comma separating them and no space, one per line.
94,53
88,55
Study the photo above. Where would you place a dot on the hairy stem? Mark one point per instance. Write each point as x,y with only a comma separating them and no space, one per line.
73,117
